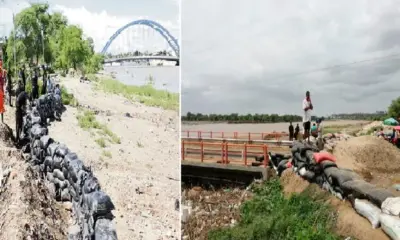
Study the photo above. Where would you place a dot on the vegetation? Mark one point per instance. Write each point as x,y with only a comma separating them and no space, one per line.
68,98
107,154
237,118
138,53
41,37
146,94
269,215
87,120
394,108
377,116
273,118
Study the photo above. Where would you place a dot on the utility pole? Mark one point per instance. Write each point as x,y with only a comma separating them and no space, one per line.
14,50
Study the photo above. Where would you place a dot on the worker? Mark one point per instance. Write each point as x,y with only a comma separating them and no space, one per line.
44,78
291,131
296,131
307,108
20,108
22,75
314,131
35,86
320,140
3,75
9,88
49,84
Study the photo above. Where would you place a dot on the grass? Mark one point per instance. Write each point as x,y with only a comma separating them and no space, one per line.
350,129
68,98
145,94
269,215
107,154
87,121
101,142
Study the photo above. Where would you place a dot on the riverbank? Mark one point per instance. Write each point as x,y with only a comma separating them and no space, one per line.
130,147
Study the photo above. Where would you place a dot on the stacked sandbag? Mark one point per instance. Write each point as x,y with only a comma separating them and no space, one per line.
378,205
67,178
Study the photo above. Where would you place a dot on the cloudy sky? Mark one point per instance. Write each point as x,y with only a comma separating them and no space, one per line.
262,57
100,19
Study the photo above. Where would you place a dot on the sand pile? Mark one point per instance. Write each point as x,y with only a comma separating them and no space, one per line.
368,152
332,139
28,210
6,135
292,183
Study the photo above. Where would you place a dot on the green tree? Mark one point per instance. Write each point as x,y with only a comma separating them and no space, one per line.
73,49
394,108
41,36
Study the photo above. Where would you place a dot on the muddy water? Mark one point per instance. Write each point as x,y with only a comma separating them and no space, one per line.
256,128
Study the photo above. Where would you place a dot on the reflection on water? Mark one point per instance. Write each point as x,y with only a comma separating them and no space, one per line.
166,77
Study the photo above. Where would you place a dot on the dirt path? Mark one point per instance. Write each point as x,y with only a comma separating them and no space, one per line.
142,173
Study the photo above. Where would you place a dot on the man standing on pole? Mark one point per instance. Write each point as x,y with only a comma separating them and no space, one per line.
307,108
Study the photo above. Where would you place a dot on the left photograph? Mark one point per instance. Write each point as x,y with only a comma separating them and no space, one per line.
89,131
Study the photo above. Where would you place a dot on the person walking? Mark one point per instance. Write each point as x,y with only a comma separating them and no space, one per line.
307,108
291,131
296,131
35,86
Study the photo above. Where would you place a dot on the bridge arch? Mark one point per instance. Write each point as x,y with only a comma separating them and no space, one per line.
173,42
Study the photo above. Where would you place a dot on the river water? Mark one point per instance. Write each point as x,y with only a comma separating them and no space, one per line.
164,77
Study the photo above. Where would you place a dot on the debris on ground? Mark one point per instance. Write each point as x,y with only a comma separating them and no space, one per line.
203,210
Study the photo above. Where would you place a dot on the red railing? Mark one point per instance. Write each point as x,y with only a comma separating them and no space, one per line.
234,135
221,151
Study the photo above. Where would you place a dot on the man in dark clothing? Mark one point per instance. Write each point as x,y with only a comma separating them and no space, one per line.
44,77
22,76
35,86
20,105
9,88
296,131
291,132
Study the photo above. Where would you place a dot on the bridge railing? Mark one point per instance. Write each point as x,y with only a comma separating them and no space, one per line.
224,153
234,135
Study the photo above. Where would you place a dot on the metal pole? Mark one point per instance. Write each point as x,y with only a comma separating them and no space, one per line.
42,33
14,50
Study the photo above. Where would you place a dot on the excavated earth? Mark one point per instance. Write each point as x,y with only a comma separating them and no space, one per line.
376,160
27,209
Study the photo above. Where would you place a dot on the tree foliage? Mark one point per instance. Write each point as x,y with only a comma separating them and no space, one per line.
273,118
237,118
41,37
394,108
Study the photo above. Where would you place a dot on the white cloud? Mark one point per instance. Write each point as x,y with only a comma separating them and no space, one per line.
235,54
101,26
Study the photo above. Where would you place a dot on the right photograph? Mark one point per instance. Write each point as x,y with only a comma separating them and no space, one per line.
290,117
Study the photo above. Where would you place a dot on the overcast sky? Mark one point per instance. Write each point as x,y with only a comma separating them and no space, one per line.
100,19
243,56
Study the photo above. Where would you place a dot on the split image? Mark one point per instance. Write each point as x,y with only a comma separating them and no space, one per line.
289,120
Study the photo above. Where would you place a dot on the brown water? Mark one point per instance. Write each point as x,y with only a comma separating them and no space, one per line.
255,128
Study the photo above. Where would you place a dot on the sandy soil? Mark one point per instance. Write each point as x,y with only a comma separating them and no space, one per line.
255,128
142,175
